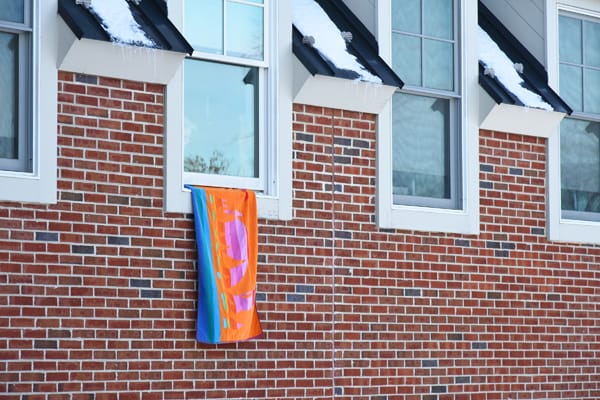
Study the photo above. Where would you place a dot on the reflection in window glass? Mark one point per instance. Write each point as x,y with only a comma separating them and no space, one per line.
408,62
570,40
580,165
591,49
244,31
438,65
421,130
591,94
571,86
221,119
203,25
437,18
9,79
406,16
12,10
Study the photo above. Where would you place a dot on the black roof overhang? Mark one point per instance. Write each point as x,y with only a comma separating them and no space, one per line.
363,46
534,74
151,15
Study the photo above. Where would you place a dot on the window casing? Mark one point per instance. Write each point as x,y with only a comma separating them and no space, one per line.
16,85
427,141
579,74
225,81
269,82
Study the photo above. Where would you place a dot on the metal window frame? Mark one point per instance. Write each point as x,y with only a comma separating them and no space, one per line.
455,138
24,160
266,159
579,115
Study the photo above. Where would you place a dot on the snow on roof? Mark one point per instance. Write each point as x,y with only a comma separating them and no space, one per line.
504,69
118,22
311,20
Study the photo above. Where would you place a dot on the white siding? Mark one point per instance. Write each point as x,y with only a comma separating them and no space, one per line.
526,20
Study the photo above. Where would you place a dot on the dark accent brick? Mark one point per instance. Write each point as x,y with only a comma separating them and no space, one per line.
338,187
295,298
486,168
538,231
363,144
553,297
82,249
343,235
59,333
305,289
508,246
305,137
262,258
261,297
118,240
342,160
339,391
492,245
70,196
502,253
494,295
342,141
462,380
515,171
455,336
122,200
429,363
479,345
46,236
151,294
348,151
86,79
439,389
45,344
486,185
412,292
140,283
462,242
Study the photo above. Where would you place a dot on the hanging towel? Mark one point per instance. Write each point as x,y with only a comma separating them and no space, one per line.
227,242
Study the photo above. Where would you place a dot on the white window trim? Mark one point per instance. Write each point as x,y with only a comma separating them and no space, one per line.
559,228
39,186
275,205
466,219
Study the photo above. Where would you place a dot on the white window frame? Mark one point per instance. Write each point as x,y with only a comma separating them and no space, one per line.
39,185
561,228
275,200
465,219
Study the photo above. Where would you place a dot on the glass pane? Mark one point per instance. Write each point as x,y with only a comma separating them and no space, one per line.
421,132
591,94
406,58
438,16
438,65
580,165
591,44
406,15
569,40
571,86
9,78
204,25
221,119
244,24
12,10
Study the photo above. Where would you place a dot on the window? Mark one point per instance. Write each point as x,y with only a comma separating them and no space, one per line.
15,83
574,151
233,96
579,74
428,150
224,85
28,83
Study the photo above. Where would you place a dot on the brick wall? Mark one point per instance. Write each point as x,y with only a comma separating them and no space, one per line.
97,292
